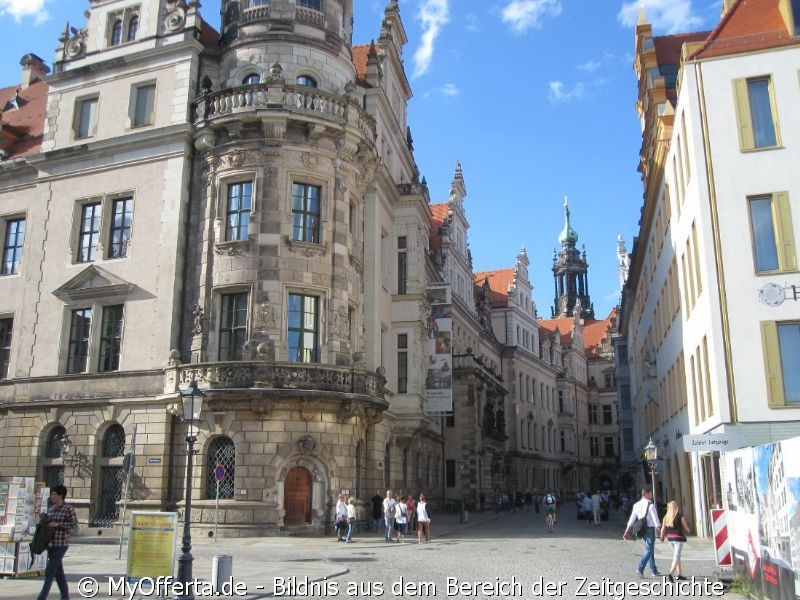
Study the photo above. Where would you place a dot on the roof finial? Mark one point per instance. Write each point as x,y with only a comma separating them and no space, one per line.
642,16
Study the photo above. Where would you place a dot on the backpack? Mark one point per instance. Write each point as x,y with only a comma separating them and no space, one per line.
549,499
41,538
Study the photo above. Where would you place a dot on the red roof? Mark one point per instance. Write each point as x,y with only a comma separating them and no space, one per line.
668,47
439,214
747,26
563,325
594,332
360,56
24,125
208,35
499,282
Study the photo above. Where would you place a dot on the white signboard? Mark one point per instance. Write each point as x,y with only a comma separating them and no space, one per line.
710,442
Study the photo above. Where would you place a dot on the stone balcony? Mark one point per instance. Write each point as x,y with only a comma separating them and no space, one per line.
282,100
271,384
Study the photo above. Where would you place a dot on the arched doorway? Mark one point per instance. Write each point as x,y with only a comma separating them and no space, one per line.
297,496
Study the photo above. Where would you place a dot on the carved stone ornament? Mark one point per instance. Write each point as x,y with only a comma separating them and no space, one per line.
175,19
204,142
236,248
341,323
346,146
306,444
198,319
266,316
310,161
274,132
232,160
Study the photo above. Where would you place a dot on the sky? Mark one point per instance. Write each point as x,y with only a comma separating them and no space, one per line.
535,98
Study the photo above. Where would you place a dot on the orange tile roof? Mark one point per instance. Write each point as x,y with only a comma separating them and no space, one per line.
208,35
563,325
748,25
360,56
594,332
499,282
25,124
439,213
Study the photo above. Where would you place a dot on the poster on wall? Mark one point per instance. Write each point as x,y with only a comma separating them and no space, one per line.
763,492
438,347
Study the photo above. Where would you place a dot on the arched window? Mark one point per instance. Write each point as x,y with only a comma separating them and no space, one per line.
52,461
133,28
116,33
307,81
111,477
221,453
251,79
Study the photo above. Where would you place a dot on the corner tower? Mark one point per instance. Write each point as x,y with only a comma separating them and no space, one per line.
570,271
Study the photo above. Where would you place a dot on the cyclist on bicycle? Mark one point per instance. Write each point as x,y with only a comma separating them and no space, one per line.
550,509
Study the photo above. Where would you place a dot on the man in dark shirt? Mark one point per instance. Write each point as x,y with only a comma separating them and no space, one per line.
61,518
377,511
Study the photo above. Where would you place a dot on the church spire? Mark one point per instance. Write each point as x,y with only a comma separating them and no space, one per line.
568,236
570,271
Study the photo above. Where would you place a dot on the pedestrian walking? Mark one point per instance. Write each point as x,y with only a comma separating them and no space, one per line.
389,504
597,501
61,519
674,529
401,518
586,507
351,519
423,520
377,511
412,513
550,510
340,522
644,509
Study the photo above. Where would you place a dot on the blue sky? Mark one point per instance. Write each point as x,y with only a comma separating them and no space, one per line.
534,97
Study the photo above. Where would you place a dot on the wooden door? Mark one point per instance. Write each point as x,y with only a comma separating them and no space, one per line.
297,496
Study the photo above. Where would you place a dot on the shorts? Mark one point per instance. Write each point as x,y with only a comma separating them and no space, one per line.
550,509
401,527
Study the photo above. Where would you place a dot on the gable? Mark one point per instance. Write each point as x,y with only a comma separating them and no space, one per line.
94,283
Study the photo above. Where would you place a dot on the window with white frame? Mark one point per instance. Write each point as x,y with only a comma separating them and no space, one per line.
143,100
303,328
233,326
86,341
402,264
306,212
89,231
6,331
120,227
237,210
402,363
85,122
13,241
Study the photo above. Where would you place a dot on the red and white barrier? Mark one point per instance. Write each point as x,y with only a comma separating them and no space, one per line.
722,545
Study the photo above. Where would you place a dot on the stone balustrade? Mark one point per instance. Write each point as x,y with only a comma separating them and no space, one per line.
281,97
279,376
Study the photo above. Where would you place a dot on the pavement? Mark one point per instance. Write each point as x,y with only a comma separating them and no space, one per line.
94,569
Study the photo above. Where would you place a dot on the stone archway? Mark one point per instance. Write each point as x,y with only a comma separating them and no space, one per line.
297,496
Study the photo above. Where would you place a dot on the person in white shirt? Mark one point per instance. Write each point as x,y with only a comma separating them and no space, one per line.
645,508
389,504
351,519
341,518
401,519
597,500
423,520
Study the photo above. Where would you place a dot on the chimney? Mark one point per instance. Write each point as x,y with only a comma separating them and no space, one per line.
33,68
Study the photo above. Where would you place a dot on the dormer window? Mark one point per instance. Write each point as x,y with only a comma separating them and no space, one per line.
133,28
116,33
307,81
251,79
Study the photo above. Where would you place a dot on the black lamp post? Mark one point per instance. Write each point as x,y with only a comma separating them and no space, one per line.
651,456
192,400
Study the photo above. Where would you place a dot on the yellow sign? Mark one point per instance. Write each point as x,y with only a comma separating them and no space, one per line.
151,544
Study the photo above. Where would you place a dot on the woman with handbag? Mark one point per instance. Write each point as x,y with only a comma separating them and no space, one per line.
351,519
674,529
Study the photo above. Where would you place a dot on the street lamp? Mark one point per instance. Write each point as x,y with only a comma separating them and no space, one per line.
192,400
651,455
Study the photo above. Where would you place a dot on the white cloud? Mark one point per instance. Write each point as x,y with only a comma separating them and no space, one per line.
433,14
671,16
557,93
523,15
20,9
590,65
473,22
449,89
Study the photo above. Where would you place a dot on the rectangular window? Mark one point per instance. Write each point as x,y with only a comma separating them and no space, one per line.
622,354
562,441
608,418
314,4
120,230
402,363
450,472
303,328
143,104
627,439
110,338
79,335
402,264
772,233
86,118
756,114
608,443
625,396
237,213
233,326
781,349
89,233
594,446
592,414
305,212
12,245
6,328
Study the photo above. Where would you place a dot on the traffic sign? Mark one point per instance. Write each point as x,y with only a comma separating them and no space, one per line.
219,473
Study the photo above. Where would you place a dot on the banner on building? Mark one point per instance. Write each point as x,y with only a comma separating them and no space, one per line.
762,492
438,347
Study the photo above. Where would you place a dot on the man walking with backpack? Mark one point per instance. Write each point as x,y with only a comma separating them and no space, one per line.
644,523
61,519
